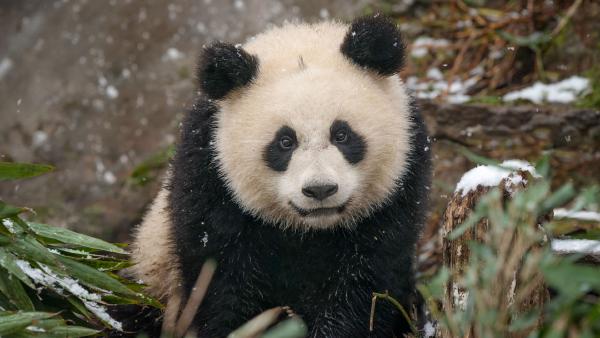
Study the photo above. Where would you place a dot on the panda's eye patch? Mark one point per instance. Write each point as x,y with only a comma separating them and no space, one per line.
278,152
351,144
286,142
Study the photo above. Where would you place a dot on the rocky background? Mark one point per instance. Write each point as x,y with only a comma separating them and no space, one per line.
98,89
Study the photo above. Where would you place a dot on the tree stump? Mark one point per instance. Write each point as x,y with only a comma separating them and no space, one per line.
456,254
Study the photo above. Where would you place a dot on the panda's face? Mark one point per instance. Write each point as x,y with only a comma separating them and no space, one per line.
316,148
313,128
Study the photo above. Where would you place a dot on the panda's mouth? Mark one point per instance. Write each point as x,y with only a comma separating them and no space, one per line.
319,212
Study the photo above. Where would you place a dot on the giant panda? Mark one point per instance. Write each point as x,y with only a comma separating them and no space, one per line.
303,170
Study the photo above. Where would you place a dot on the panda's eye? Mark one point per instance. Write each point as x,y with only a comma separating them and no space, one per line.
341,136
286,143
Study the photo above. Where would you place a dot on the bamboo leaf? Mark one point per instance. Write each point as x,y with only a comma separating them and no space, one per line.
14,322
76,303
14,171
8,261
12,288
94,278
72,237
7,211
72,331
572,279
30,249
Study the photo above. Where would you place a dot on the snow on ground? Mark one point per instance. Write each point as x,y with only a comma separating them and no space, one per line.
564,91
435,85
45,276
579,215
421,46
575,246
491,176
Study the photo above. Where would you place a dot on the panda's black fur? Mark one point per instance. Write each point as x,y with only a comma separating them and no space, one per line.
325,276
224,67
374,42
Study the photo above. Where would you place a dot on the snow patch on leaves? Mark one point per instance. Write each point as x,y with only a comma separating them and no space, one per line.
59,284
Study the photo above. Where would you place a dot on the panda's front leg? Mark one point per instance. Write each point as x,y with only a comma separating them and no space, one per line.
235,295
343,307
349,317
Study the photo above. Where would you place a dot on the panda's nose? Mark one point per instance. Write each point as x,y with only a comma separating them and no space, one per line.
320,192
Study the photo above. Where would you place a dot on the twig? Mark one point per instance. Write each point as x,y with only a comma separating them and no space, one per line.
386,296
258,324
457,63
565,19
198,293
171,314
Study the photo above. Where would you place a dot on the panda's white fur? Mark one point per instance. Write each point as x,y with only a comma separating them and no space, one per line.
307,85
151,252
304,82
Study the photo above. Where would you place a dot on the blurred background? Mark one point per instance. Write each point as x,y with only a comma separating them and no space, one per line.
98,89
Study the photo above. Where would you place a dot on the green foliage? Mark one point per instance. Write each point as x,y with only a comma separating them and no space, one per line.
510,266
592,99
55,282
13,171
146,171
492,100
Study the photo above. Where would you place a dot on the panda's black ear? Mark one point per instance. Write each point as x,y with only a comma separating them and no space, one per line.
224,67
374,42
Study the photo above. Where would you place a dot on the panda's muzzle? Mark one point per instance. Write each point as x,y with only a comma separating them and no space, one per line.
319,212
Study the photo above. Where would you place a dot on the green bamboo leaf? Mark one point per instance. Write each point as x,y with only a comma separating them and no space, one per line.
7,211
14,171
558,198
12,323
53,328
72,237
8,261
572,279
78,305
12,288
94,278
30,249
106,265
71,331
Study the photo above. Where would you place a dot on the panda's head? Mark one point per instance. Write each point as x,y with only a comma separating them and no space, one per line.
313,128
